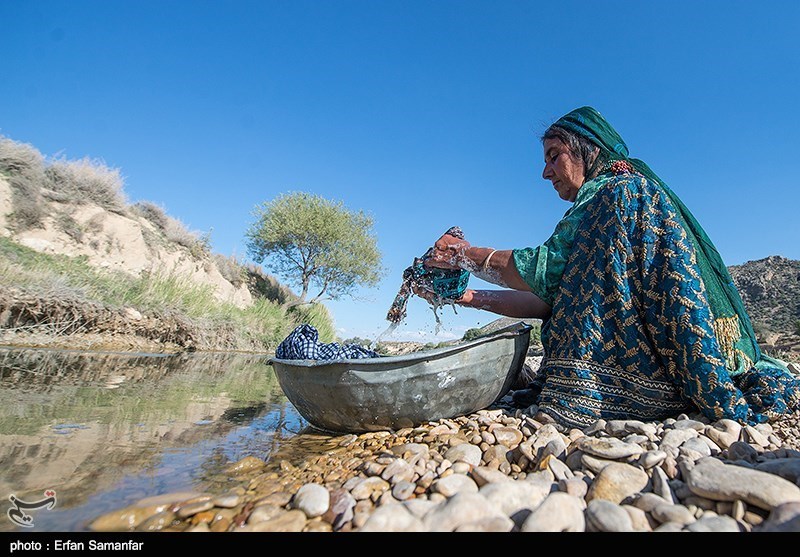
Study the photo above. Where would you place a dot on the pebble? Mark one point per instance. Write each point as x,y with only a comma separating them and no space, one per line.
501,470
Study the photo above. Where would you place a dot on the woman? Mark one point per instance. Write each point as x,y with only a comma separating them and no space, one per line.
641,319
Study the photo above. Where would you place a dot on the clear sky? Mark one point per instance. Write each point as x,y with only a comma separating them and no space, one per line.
423,114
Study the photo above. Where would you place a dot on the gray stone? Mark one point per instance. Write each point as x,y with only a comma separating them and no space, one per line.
649,459
313,499
398,471
340,509
465,452
713,479
559,469
507,436
593,463
783,518
403,490
421,507
512,497
607,447
559,512
739,450
639,520
454,483
488,524
697,445
674,438
461,509
724,432
368,486
605,516
672,513
616,482
786,468
287,521
392,517
660,483
483,475
713,524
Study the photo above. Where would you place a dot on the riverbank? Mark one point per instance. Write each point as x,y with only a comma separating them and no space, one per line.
503,470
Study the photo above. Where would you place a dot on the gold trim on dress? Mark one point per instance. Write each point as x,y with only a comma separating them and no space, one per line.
728,334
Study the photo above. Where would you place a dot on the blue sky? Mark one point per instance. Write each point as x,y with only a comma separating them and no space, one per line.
423,114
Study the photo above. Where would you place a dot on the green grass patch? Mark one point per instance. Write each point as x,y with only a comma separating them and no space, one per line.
260,326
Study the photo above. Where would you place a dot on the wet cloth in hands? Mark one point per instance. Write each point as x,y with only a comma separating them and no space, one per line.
303,344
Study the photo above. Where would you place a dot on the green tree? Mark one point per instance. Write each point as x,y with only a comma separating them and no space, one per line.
311,241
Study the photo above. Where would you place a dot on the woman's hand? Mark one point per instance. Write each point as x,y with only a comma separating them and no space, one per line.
424,293
433,299
447,253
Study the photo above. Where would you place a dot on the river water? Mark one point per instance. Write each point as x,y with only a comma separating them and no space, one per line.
103,430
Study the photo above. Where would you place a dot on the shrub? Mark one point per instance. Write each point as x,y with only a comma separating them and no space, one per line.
67,224
316,315
20,159
23,165
233,271
263,285
153,213
88,180
173,229
177,232
471,334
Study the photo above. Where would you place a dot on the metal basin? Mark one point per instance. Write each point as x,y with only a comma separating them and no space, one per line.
393,392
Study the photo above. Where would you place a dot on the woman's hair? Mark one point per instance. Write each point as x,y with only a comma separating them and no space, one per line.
582,148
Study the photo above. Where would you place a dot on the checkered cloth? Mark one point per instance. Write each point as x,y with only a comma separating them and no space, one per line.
303,344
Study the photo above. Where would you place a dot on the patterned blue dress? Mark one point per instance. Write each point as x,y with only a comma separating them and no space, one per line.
631,333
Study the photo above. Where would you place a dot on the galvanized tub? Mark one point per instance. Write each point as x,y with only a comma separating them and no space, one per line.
393,392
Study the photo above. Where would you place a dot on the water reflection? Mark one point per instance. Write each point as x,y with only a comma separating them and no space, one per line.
106,429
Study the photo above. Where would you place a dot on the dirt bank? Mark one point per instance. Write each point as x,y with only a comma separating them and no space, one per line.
61,322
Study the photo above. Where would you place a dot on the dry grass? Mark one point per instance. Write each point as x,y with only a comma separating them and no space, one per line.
88,181
24,168
175,231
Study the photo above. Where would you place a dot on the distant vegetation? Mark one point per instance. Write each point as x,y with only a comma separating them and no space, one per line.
535,336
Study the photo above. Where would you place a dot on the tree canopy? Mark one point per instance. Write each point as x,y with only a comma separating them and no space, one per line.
311,241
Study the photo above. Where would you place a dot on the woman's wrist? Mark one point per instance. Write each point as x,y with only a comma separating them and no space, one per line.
474,259
466,298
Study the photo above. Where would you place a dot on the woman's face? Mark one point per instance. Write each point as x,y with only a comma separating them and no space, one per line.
563,169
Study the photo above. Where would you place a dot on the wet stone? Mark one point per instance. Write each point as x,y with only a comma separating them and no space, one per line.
125,519
194,508
227,501
494,471
288,521
156,522
262,513
245,465
313,499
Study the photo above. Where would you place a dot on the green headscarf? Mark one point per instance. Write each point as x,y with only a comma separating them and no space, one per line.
732,323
